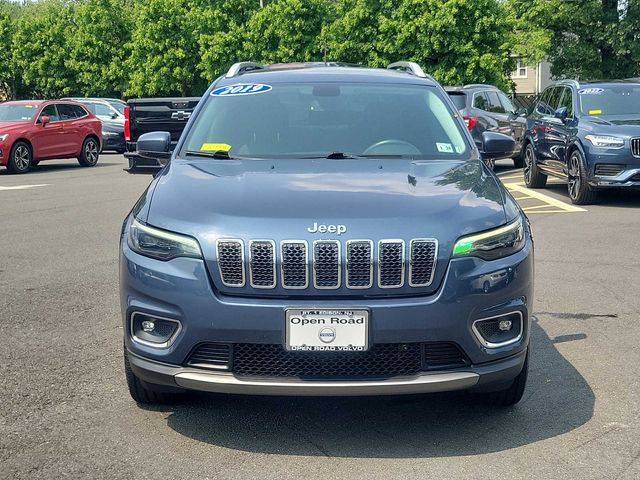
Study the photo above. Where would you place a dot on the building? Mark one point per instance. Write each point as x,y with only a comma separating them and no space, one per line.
531,79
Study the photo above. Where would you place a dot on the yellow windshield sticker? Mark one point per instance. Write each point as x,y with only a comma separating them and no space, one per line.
214,147
595,112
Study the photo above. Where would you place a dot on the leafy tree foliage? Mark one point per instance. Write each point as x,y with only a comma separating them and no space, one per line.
6,32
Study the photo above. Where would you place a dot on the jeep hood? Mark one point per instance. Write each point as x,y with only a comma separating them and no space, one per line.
280,200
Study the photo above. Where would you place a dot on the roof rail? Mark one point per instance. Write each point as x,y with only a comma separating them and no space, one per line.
242,67
476,85
411,67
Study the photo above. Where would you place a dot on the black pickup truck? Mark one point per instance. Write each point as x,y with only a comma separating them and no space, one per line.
144,115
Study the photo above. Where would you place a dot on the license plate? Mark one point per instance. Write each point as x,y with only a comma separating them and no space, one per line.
327,330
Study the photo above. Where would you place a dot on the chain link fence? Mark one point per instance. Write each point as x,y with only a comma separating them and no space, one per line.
524,101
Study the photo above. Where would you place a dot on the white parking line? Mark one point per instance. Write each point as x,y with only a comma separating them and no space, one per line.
565,207
24,187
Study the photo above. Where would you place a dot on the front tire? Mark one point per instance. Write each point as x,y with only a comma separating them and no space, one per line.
142,392
580,192
20,158
512,394
89,153
533,177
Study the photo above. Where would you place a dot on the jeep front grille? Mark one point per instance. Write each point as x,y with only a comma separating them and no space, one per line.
327,263
635,147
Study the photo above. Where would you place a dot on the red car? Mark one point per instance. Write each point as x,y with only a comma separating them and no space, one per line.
32,131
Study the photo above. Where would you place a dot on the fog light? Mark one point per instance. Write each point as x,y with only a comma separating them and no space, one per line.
148,326
153,331
500,330
505,325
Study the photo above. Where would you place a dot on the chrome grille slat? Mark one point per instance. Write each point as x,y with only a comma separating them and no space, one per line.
262,264
635,147
391,263
294,264
422,258
230,253
359,271
327,264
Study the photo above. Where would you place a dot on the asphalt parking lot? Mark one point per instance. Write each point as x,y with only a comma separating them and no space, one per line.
65,411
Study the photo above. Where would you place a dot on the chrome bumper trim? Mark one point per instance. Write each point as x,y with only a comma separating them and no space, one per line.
229,383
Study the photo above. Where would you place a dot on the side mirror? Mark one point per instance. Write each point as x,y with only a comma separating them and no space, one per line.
44,119
114,115
561,114
496,145
155,146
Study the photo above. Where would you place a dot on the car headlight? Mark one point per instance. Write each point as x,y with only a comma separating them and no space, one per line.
493,244
160,244
605,141
3,136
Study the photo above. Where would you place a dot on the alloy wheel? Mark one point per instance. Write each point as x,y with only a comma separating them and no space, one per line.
22,158
91,152
528,164
574,181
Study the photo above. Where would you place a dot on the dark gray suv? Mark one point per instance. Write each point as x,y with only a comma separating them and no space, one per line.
487,108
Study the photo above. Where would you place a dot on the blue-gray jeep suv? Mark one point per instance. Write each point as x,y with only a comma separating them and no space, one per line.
587,134
322,229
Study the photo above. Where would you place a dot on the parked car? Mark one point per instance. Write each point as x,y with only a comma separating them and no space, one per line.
587,133
34,130
321,230
113,137
487,108
144,115
106,109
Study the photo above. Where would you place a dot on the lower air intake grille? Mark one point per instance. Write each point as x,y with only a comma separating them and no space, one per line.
211,355
608,169
635,147
443,355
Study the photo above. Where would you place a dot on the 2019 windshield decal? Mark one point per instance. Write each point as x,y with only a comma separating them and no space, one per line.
241,89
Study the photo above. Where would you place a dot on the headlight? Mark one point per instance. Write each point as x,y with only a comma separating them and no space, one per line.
493,244
160,244
3,136
605,141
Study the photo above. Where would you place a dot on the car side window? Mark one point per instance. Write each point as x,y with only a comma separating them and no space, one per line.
103,110
66,112
51,112
506,103
494,102
548,101
79,111
480,101
567,101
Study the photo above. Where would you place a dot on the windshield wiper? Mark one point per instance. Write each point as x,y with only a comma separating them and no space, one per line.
334,156
219,154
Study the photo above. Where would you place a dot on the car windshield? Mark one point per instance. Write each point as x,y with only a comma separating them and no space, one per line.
459,99
623,99
17,112
319,119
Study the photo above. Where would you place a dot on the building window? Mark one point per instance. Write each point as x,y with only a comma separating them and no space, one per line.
521,70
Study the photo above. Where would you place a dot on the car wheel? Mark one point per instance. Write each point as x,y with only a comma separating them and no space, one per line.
142,392
490,163
580,192
20,158
533,177
90,152
512,394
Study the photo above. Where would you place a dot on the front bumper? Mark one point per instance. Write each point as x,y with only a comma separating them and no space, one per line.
481,377
629,178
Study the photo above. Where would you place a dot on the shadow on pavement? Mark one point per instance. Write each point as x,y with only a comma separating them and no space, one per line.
612,197
557,400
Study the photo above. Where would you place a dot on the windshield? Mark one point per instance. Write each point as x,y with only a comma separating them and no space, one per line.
610,100
317,119
17,112
459,99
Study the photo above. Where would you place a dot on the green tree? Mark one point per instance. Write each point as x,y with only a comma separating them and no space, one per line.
40,49
6,60
457,41
164,50
289,31
96,42
221,33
